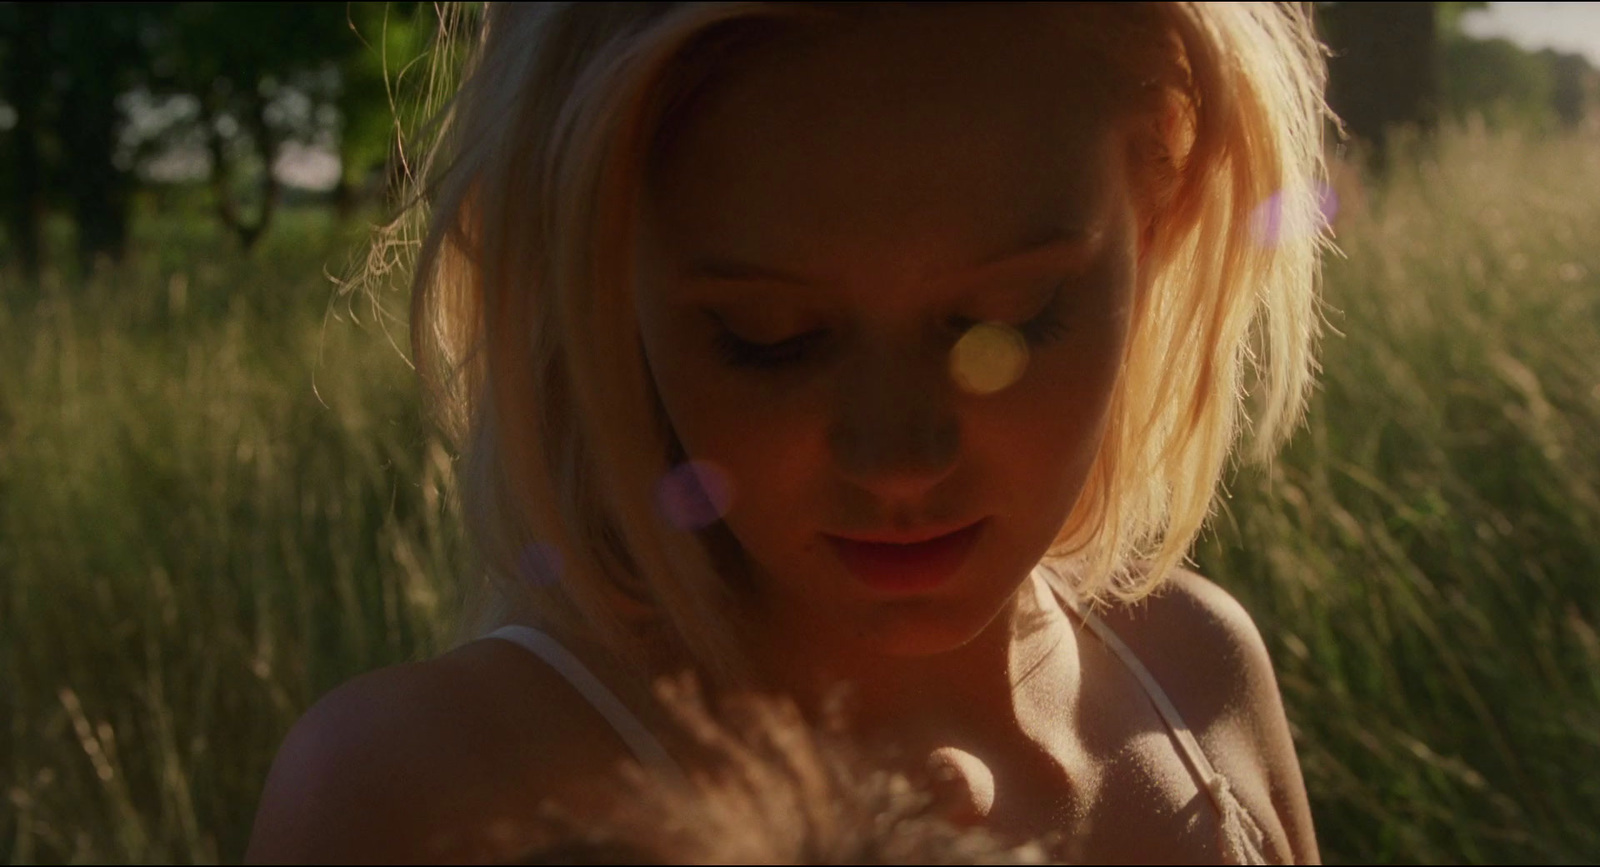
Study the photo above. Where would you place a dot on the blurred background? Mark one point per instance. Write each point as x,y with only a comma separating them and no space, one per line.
218,497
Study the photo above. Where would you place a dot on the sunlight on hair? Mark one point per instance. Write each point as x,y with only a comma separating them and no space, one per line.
540,564
694,495
1267,223
988,358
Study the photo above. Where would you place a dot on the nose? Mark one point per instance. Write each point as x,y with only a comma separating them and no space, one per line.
895,433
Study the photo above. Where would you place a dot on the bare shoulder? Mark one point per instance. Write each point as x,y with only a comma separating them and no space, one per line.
1202,646
444,760
1204,649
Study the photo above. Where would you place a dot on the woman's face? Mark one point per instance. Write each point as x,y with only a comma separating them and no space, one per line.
821,234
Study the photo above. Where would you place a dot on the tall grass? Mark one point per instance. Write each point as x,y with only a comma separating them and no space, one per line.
217,501
1425,559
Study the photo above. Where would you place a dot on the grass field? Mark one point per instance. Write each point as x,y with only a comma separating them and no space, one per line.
217,500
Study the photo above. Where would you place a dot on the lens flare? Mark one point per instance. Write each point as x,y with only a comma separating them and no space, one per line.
988,358
1268,225
694,495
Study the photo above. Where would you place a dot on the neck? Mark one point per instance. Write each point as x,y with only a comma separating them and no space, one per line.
1016,679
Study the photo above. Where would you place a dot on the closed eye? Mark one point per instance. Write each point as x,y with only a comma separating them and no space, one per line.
1047,326
739,352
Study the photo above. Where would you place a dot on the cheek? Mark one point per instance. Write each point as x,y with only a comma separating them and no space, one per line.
1047,432
1044,433
765,439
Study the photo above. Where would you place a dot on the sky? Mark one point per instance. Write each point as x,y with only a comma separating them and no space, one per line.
1573,27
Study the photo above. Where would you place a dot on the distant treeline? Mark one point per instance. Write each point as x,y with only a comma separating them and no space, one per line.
1410,64
92,96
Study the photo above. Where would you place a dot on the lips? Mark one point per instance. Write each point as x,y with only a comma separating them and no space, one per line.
909,562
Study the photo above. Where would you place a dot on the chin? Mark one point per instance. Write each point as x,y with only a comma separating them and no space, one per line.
920,641
929,626
846,624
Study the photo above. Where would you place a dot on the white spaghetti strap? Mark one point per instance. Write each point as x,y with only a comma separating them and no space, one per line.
1188,747
1239,834
646,748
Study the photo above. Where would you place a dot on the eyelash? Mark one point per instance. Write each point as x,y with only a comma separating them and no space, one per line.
765,356
1045,328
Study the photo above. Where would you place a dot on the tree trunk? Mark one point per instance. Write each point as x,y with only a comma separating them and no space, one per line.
266,144
88,126
1384,68
26,81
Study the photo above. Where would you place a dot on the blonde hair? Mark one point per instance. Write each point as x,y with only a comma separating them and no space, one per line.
525,337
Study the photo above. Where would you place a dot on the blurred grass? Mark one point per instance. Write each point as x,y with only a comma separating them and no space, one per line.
217,500
1424,561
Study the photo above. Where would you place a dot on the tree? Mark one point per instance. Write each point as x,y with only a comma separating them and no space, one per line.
1498,81
94,87
25,82
1383,71
66,66
1572,82
99,55
389,53
260,74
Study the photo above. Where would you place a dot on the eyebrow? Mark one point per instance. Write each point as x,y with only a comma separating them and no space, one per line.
1055,239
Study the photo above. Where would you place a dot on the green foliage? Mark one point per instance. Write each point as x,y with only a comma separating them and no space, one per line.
1449,15
351,66
1494,78
239,47
1505,85
98,90
380,80
1414,65
64,67
263,74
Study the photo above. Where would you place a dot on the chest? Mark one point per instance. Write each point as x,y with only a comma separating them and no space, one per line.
1112,783
1139,804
